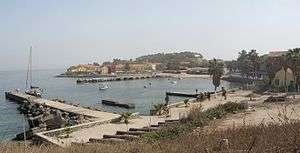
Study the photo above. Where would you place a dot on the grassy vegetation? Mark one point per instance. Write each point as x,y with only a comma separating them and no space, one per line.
263,138
196,118
180,138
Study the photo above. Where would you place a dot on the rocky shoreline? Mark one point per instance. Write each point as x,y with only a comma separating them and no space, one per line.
41,118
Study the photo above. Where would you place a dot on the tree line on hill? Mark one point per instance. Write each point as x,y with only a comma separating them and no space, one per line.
175,61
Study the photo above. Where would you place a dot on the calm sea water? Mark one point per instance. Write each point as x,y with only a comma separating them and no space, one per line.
11,122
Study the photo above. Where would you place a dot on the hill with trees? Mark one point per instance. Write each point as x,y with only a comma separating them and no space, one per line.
175,61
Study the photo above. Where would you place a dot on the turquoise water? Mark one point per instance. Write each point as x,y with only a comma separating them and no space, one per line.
11,122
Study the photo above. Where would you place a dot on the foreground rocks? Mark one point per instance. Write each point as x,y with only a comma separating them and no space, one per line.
41,118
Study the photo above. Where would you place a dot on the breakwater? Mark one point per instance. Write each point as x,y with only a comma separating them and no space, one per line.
124,78
84,75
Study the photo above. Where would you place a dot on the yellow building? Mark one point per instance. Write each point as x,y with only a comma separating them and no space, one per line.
282,78
104,70
140,67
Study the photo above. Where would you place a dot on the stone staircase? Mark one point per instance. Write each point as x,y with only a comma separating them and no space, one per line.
131,134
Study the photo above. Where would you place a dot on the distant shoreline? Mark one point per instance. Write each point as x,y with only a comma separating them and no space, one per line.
84,75
184,75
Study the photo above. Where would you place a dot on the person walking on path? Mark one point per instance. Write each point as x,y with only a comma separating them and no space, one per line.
224,94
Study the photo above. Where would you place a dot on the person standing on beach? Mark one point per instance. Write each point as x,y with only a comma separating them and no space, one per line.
167,100
196,91
208,96
224,93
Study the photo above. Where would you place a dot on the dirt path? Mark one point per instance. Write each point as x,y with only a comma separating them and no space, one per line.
265,113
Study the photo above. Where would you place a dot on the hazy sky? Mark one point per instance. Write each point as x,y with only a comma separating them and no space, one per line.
65,32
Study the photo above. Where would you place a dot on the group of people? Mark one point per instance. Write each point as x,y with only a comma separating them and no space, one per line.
201,96
208,94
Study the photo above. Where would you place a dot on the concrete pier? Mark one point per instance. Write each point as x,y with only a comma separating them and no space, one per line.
124,78
22,97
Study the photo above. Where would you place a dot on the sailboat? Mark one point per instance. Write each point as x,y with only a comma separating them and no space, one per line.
30,89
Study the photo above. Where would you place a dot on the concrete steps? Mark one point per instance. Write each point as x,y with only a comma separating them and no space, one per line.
132,133
124,137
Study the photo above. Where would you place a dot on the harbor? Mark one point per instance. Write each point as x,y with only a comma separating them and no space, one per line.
114,132
89,96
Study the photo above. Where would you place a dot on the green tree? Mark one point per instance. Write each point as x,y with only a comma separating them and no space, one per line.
126,116
272,67
231,66
159,109
216,70
243,63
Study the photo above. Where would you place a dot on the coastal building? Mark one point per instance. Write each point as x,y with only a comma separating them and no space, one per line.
283,78
277,54
118,68
104,70
138,68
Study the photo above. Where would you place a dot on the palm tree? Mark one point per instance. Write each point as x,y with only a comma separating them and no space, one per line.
216,70
126,116
159,109
245,63
254,63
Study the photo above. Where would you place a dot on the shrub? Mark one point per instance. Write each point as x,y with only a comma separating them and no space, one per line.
196,118
232,107
215,113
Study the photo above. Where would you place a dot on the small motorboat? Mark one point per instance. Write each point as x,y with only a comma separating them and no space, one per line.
173,82
103,87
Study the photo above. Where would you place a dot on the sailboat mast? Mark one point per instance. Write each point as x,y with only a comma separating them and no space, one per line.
30,59
29,72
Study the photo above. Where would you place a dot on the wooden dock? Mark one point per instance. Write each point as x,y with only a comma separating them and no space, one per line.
118,104
22,97
192,95
183,94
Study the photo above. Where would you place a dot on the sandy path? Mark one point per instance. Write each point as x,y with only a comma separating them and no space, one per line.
83,135
237,96
264,113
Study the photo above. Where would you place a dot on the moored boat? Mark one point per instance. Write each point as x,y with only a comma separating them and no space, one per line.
103,87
